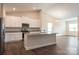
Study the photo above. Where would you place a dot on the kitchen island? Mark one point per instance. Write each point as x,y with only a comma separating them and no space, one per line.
37,40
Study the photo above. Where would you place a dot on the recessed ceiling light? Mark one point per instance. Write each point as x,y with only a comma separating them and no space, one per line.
14,9
34,8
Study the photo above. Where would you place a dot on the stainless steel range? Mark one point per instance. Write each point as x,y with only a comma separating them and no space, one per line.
25,28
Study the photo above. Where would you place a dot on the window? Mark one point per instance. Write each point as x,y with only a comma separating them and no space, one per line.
73,27
49,27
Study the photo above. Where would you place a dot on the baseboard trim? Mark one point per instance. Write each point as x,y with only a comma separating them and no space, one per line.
71,35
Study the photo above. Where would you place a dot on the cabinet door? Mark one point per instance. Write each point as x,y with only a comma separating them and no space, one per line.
12,21
10,37
31,22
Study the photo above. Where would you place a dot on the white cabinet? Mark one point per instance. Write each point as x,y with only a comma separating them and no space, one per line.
12,21
31,22
16,36
37,40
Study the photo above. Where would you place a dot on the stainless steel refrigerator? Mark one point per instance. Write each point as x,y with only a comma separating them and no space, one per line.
2,36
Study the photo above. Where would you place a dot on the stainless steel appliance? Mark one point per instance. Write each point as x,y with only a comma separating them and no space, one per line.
25,28
2,36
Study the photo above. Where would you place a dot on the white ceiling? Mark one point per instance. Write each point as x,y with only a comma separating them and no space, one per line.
65,10
27,6
58,10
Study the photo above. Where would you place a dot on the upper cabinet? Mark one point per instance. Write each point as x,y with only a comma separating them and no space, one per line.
14,21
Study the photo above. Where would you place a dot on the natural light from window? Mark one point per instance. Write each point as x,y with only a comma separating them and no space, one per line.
49,27
73,27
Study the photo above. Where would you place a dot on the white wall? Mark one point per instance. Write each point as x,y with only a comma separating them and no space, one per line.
69,21
59,26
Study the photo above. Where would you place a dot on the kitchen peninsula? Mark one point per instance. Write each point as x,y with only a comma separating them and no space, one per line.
37,40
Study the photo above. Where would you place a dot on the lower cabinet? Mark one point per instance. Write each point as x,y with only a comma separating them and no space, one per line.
13,36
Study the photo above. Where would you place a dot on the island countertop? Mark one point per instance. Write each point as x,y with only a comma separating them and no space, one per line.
39,33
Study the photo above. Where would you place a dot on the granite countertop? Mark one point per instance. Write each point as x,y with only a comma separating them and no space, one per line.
38,33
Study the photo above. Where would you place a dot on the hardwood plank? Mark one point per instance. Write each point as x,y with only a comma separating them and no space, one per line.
66,45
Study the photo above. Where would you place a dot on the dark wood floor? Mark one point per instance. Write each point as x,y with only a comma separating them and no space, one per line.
66,45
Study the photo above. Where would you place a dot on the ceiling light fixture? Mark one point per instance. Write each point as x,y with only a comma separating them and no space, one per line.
14,9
